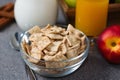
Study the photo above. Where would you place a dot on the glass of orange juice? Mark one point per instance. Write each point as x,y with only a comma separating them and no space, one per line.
91,16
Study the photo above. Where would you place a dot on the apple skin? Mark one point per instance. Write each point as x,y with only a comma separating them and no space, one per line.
109,44
71,3
117,1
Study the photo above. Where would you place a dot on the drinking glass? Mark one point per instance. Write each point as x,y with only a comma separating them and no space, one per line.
29,13
91,16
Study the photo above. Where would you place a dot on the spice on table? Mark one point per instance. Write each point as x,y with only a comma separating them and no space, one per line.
6,14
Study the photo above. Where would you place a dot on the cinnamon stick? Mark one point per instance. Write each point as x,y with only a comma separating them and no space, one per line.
6,14
4,21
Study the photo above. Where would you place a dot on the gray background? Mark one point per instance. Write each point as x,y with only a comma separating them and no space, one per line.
12,65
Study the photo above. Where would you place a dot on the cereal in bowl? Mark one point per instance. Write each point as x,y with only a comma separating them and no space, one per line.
54,44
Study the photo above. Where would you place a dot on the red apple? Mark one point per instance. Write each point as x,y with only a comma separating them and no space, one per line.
109,44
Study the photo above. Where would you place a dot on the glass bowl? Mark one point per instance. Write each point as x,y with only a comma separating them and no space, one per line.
71,64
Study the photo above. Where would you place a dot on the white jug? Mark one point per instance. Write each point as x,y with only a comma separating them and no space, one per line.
29,13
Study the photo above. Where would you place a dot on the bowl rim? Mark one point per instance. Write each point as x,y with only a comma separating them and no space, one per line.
70,59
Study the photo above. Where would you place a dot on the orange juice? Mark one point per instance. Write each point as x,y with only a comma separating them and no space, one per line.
91,16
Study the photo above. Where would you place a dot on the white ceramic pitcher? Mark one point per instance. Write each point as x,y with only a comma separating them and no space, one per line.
29,13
